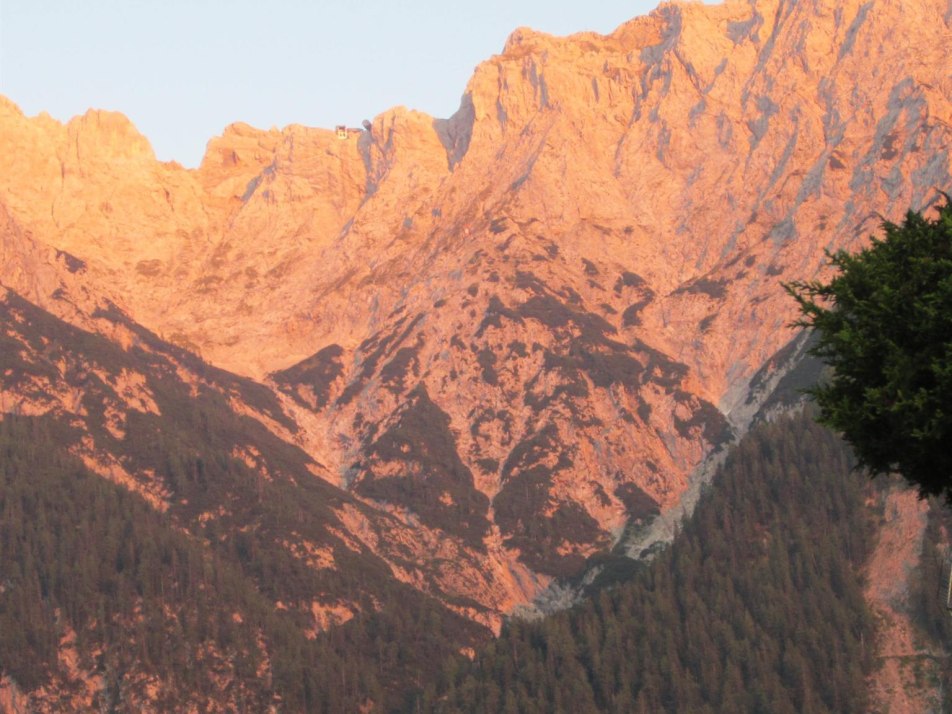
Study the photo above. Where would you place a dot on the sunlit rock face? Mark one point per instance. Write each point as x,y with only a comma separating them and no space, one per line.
510,332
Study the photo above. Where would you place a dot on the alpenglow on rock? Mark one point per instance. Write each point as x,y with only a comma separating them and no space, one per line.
504,335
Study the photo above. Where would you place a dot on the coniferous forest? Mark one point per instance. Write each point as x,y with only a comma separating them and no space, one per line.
757,606
84,561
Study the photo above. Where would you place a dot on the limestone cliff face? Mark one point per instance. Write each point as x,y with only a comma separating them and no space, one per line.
732,143
514,330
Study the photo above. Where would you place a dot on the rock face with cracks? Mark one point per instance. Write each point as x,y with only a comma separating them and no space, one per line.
508,333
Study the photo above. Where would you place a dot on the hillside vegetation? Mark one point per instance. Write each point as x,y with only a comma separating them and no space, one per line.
757,607
99,591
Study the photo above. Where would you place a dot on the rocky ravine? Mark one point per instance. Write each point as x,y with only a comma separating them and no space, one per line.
509,332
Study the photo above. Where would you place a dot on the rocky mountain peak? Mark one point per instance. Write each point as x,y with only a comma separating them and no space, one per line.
108,137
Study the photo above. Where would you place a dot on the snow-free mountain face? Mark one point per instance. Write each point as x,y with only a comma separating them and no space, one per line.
496,339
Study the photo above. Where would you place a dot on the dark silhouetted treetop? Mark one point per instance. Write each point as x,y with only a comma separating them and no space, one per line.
884,324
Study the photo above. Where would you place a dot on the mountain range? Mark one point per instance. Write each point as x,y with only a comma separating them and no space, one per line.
448,364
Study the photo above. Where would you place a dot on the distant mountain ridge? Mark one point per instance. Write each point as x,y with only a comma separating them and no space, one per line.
490,341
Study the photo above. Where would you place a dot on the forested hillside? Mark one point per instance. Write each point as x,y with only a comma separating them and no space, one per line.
105,603
757,607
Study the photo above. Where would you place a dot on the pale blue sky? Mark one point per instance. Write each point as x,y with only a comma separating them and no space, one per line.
184,69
